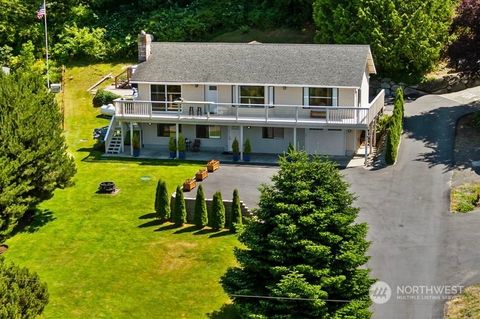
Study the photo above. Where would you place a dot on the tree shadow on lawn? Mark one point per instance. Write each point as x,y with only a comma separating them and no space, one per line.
148,216
186,229
33,220
151,223
227,311
222,233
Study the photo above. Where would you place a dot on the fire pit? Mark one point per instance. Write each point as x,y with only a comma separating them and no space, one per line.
107,188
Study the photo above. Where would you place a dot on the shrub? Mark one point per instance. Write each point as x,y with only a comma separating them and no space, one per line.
162,201
103,97
172,146
180,212
200,214
395,128
464,198
181,144
235,147
236,223
247,148
81,43
218,212
22,295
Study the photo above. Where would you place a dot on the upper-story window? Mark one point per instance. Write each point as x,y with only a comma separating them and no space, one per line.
252,95
320,97
166,94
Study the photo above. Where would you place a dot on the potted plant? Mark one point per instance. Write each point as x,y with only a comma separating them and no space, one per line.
247,150
172,148
189,184
201,175
235,150
182,147
136,143
213,165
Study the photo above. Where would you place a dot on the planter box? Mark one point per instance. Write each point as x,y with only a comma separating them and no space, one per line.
201,175
213,165
189,184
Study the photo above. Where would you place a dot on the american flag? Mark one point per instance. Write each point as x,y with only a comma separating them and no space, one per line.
41,12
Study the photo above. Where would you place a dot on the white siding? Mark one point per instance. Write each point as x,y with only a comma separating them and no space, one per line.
365,90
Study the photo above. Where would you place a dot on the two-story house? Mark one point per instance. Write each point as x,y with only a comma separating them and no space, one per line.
312,96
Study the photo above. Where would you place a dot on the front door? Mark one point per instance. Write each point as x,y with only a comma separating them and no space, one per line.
233,133
212,96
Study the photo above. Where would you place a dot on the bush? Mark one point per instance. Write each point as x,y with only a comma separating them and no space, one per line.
181,143
22,295
200,214
247,148
180,212
236,223
172,146
218,212
235,147
395,128
464,198
103,97
81,43
162,201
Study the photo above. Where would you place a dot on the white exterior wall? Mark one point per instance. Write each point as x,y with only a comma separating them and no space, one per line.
365,90
144,92
346,97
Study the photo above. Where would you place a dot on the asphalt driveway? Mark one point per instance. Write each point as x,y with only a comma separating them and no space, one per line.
415,240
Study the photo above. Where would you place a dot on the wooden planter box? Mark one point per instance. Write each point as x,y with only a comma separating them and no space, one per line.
201,175
189,184
213,165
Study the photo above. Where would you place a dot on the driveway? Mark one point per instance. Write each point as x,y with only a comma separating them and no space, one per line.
415,240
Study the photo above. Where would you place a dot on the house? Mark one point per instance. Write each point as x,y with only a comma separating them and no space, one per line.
312,96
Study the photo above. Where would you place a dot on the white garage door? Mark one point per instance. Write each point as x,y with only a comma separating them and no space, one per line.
325,142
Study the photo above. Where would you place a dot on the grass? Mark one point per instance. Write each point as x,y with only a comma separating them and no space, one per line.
464,198
105,256
281,35
465,306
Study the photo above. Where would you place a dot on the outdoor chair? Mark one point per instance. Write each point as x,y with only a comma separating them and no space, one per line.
196,145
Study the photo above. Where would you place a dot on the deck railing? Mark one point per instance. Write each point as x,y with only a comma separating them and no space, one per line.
238,112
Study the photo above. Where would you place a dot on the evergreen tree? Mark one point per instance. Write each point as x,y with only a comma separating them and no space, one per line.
218,212
180,212
200,215
22,295
162,201
304,243
236,215
407,37
33,153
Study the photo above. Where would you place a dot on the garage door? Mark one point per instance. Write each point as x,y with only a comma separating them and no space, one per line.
325,142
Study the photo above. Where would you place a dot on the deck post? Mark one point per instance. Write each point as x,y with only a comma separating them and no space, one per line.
366,146
295,138
122,146
241,142
131,138
176,139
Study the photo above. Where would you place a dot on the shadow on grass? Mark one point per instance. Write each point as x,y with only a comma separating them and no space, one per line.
186,229
227,311
204,231
151,223
167,227
32,221
221,234
148,216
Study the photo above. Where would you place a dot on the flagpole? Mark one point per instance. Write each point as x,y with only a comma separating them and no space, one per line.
46,42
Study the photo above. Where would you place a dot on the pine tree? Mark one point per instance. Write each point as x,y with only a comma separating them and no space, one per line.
236,215
180,212
200,215
304,243
218,212
33,152
21,292
162,201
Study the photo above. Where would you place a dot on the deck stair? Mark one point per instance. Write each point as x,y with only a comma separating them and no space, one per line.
115,145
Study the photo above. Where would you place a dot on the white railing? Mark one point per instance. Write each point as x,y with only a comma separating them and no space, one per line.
376,106
110,132
254,113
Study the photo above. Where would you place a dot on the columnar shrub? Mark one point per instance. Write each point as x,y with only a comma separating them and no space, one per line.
395,128
236,215
180,212
162,201
304,243
218,212
200,214
22,295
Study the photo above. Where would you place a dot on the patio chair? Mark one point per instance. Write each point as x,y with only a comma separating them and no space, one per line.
196,145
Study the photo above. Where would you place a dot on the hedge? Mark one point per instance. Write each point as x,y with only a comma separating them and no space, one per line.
103,97
395,128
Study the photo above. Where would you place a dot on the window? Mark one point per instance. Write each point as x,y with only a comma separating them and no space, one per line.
208,131
272,132
166,94
167,130
320,96
252,95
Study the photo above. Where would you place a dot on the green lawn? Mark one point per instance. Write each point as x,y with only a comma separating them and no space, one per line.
104,256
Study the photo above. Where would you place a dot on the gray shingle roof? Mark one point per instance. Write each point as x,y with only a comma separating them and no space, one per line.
276,64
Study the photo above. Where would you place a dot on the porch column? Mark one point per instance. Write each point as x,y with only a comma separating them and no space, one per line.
131,138
366,146
176,139
295,138
241,142
375,132
122,146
